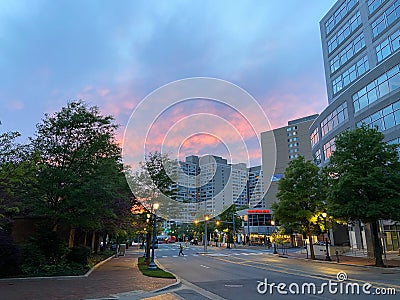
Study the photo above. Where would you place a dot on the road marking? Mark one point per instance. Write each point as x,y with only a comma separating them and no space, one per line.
297,272
234,285
204,266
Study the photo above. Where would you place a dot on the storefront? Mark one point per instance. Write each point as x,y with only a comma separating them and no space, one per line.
257,226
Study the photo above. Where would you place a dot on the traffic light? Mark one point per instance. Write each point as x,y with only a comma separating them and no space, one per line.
217,222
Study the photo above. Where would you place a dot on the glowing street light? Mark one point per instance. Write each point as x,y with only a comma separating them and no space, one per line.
206,218
327,258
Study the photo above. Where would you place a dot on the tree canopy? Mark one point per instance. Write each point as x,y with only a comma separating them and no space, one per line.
17,176
301,195
364,180
81,174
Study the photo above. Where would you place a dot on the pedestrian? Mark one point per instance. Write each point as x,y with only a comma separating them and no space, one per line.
180,250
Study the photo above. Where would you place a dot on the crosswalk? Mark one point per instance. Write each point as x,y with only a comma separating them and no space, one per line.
216,254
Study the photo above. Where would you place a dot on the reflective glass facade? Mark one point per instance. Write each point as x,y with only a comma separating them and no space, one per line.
350,75
338,116
349,27
387,82
361,53
383,119
386,19
339,14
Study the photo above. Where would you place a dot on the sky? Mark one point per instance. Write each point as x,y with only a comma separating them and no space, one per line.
114,54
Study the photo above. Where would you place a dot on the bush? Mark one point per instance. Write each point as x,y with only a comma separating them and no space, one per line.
9,255
52,247
79,255
33,258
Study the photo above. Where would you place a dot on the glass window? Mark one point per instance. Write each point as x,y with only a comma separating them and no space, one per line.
338,116
377,88
351,74
373,5
315,137
338,15
384,119
317,157
386,18
388,46
329,147
344,31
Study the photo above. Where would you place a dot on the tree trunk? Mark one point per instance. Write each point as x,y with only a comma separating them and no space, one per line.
377,244
311,246
93,245
71,238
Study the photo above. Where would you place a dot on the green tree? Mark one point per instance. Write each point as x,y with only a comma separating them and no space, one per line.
364,181
81,173
301,197
17,176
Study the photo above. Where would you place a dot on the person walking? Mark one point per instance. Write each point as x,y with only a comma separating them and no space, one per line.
180,250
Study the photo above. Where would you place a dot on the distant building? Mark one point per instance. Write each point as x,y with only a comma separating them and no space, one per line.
255,187
291,142
208,184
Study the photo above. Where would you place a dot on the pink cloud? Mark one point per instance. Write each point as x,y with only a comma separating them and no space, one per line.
15,105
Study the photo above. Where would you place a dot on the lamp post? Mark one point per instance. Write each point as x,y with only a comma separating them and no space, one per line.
152,265
206,218
327,258
247,219
274,231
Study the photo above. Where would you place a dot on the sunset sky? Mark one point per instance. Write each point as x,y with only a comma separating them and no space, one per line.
113,54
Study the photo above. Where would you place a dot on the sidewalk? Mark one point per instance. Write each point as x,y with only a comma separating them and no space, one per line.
121,276
117,275
392,259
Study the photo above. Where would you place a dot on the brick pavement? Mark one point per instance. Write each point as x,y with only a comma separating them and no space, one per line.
118,275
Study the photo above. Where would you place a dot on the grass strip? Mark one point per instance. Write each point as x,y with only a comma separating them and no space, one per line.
159,273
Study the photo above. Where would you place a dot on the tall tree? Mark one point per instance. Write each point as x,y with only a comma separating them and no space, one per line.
80,166
301,197
17,176
364,181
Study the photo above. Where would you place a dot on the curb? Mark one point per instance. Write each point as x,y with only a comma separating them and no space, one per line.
172,285
336,263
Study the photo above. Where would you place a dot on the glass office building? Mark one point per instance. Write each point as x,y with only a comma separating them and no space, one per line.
361,51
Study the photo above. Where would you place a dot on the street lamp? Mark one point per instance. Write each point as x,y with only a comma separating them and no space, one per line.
327,258
206,218
152,265
246,219
274,231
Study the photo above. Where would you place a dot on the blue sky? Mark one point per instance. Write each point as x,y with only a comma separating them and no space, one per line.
114,53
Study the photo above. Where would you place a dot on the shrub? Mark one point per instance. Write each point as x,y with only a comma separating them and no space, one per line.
79,255
9,255
33,258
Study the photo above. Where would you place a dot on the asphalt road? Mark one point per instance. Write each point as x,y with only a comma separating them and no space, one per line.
258,274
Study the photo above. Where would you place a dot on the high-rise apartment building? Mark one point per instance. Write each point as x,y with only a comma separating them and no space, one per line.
208,184
291,142
255,187
360,43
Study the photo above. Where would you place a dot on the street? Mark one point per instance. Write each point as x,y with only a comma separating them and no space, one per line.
240,273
